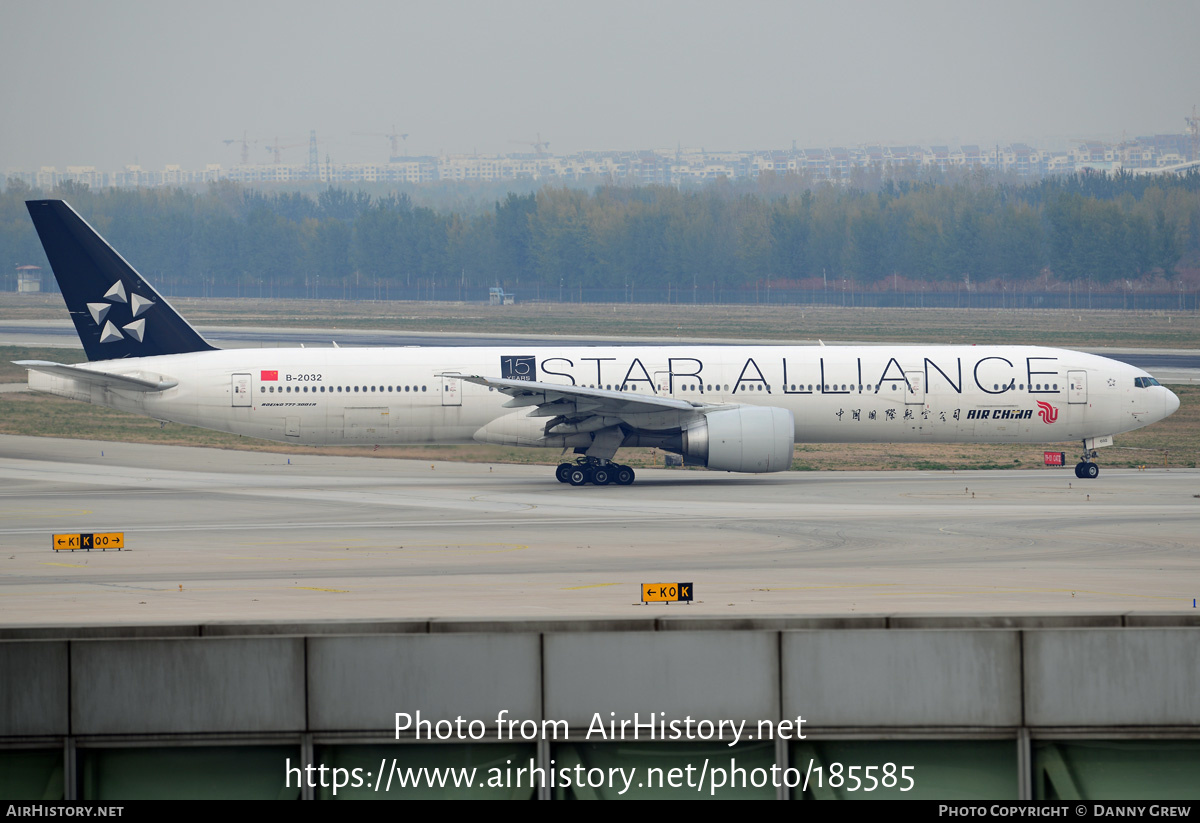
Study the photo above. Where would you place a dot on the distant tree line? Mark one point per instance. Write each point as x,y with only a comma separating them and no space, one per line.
780,229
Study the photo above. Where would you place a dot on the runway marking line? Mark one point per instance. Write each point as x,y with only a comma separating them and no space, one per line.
379,549
34,512
68,565
839,586
477,548
1039,591
301,542
319,589
994,589
479,498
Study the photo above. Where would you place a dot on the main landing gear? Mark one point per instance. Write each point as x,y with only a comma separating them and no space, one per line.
591,470
1086,469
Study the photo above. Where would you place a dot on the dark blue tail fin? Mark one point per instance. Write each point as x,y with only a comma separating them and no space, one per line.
116,312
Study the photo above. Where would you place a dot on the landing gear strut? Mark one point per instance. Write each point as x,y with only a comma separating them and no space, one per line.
1086,468
593,470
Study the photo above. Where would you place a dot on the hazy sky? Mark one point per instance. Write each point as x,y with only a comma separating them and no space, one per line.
103,83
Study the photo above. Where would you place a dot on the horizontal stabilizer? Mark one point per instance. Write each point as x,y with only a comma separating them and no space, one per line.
130,382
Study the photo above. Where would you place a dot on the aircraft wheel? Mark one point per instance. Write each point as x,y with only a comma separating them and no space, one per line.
624,476
1079,470
578,476
602,475
563,472
1091,470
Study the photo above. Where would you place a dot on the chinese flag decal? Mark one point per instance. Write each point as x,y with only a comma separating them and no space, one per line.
270,375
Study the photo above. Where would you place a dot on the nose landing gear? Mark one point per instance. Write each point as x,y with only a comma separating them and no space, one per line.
1086,469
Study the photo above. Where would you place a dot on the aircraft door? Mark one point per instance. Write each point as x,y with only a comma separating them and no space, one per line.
915,396
239,392
451,391
1077,387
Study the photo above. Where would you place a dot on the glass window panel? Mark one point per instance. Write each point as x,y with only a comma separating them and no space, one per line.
31,774
1116,770
656,765
495,763
942,769
188,773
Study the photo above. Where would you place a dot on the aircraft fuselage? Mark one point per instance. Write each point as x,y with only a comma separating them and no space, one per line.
836,394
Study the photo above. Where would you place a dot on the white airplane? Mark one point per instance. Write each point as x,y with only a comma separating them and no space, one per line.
731,408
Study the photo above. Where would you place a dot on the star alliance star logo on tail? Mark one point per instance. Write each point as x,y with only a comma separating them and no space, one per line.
1047,412
138,305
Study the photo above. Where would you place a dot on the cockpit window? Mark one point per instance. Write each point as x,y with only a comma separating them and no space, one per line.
1145,382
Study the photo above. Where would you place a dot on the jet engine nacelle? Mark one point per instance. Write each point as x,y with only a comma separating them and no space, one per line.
745,439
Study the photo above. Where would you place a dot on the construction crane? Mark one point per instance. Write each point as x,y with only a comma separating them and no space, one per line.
276,148
245,147
394,138
538,146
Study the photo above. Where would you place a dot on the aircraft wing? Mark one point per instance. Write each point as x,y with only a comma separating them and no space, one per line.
578,409
129,382
599,401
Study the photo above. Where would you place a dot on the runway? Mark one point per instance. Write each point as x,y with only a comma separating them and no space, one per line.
221,535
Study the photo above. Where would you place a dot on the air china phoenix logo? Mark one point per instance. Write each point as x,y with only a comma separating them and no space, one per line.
138,305
1047,412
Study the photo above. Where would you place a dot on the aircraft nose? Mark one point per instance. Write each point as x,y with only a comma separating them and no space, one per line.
1170,403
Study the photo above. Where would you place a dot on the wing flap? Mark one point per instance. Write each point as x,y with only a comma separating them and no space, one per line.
576,399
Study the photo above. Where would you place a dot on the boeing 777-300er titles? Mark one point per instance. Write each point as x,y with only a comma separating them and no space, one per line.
734,408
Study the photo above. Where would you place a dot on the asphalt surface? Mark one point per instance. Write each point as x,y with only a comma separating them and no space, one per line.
220,535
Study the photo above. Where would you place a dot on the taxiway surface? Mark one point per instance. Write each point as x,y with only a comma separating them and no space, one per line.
222,535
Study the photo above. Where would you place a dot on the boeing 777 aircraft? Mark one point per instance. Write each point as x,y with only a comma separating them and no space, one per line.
731,408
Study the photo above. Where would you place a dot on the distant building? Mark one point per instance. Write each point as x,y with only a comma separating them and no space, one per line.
29,279
675,167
